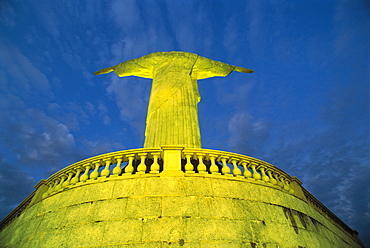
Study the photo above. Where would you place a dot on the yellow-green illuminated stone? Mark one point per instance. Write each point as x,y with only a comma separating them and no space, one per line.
191,211
172,113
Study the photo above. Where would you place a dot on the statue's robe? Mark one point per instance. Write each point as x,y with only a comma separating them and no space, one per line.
172,117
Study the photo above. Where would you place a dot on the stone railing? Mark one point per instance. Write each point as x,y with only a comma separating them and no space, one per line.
230,164
17,211
166,161
316,204
115,164
170,161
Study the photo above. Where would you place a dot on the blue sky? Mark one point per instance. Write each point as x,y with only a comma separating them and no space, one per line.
305,109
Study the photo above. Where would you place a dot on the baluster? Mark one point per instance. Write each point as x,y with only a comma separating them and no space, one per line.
52,187
290,188
68,182
265,178
247,173
47,193
56,186
129,168
282,182
256,175
272,179
286,186
106,171
236,171
75,179
225,169
189,167
95,174
155,166
202,168
279,183
117,169
213,169
141,167
59,186
85,176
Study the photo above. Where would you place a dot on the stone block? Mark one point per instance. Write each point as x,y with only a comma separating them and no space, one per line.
30,229
96,191
32,212
166,186
70,196
241,209
141,207
198,186
78,214
223,207
202,229
123,231
206,206
49,203
129,187
54,219
223,188
180,206
109,209
164,229
61,237
84,235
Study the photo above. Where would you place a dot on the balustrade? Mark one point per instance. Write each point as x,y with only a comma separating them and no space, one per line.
117,164
234,165
150,161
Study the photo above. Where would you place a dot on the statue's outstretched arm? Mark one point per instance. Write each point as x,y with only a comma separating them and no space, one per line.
140,67
242,69
206,68
104,71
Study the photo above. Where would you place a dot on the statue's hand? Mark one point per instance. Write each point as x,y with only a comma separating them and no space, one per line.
242,69
104,71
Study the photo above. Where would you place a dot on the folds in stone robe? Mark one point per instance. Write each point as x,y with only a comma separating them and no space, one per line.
172,117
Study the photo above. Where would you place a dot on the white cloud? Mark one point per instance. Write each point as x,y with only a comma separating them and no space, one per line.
131,96
125,14
19,68
246,134
232,36
101,146
103,113
48,16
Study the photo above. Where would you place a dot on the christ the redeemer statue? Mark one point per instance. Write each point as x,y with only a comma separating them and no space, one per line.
173,113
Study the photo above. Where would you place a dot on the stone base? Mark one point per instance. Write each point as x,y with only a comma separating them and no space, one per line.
187,211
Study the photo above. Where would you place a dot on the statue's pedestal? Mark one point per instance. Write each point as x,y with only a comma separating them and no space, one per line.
190,211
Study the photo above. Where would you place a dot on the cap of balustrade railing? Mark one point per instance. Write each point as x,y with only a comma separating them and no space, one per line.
115,164
234,165
171,161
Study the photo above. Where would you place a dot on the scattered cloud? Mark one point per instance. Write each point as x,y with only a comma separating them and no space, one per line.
131,95
15,186
19,68
247,135
126,14
103,113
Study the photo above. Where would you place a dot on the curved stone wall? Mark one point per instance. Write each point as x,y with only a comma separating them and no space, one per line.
192,211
